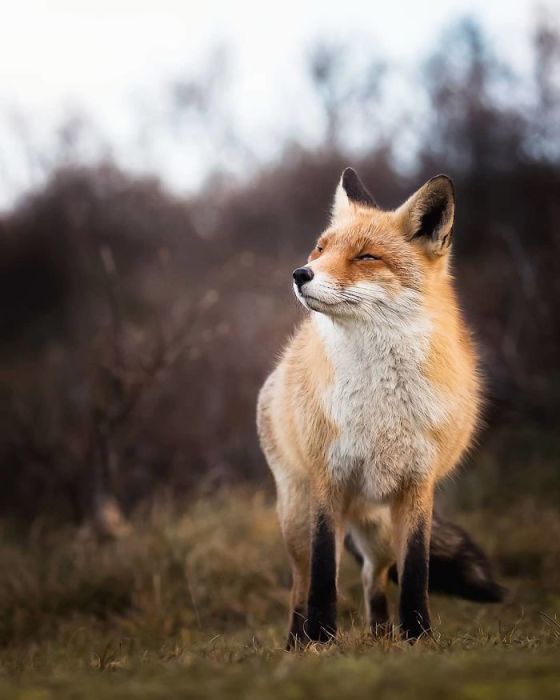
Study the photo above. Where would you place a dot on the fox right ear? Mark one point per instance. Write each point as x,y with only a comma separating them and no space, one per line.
349,194
427,216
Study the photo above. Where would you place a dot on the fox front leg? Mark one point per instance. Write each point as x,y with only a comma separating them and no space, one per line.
321,609
412,518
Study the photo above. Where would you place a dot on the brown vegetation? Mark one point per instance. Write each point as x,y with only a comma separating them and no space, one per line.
193,605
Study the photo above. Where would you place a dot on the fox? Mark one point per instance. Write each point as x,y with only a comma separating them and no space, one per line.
375,399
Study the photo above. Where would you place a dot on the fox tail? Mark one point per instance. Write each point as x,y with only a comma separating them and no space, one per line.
458,566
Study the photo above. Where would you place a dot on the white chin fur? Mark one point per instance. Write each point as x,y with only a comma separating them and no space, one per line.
300,297
363,300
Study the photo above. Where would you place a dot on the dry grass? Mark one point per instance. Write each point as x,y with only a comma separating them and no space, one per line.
195,606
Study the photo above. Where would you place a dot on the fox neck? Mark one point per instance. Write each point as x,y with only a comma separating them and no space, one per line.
403,331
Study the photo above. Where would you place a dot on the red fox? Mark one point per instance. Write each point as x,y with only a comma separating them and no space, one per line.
374,400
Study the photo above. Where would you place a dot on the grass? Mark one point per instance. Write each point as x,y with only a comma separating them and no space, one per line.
195,605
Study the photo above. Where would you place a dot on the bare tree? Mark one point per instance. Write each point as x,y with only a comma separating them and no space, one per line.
348,91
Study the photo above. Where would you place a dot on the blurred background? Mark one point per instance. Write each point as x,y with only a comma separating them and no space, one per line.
163,168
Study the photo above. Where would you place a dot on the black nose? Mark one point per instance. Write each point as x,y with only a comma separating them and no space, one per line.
303,275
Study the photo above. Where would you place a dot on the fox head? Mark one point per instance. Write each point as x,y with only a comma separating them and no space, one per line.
370,263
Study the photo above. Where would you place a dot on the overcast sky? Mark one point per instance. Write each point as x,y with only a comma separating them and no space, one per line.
110,58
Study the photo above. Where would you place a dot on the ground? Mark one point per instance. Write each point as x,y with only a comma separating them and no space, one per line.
195,605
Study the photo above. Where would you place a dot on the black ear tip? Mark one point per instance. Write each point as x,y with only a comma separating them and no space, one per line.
354,188
443,183
349,175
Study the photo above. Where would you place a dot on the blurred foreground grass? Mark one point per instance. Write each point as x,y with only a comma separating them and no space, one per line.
195,605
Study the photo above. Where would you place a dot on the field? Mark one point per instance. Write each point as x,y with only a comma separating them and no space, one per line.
193,604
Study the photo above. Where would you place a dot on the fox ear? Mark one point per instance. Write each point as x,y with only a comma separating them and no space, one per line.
350,191
427,217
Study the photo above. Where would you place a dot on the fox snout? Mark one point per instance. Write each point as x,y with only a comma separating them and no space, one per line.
302,275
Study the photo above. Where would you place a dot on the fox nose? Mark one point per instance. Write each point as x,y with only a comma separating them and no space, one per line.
302,275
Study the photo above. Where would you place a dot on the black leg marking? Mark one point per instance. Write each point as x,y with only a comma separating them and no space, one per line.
378,614
458,566
321,625
297,635
413,603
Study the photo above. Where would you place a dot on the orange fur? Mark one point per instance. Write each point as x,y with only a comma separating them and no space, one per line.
402,310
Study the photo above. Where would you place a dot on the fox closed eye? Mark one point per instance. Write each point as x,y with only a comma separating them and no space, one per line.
367,256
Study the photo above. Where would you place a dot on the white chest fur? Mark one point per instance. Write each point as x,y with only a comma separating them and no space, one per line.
381,403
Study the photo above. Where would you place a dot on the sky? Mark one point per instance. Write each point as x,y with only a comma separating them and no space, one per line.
113,60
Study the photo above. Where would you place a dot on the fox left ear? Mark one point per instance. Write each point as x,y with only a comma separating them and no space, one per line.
427,217
350,192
